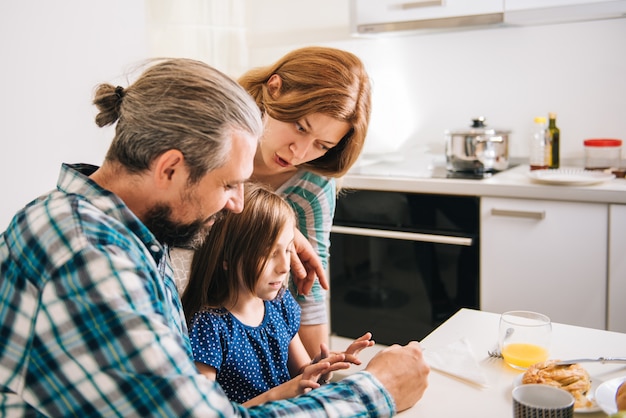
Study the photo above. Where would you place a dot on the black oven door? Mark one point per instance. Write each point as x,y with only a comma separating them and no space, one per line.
402,263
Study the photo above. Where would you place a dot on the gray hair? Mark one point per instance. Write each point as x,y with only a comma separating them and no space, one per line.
178,104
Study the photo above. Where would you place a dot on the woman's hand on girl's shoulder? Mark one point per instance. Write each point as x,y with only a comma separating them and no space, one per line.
306,265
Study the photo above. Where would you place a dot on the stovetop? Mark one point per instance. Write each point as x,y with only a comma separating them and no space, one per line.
424,168
442,173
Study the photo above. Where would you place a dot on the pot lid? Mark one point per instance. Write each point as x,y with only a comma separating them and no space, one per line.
479,127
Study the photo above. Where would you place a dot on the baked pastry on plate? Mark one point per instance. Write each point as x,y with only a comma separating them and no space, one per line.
620,397
573,378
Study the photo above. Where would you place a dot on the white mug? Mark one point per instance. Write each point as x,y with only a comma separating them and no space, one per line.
542,401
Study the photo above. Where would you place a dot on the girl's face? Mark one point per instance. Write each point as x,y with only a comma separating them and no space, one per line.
285,145
276,271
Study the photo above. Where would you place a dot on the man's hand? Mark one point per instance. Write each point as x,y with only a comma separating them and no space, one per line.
403,372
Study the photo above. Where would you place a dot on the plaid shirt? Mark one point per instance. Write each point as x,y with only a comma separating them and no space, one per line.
92,323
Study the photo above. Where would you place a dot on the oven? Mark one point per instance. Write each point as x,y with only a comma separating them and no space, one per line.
401,263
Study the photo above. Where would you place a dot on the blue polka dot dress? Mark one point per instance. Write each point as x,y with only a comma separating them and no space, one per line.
249,360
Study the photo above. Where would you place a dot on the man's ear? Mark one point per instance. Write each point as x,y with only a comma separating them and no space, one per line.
274,85
170,168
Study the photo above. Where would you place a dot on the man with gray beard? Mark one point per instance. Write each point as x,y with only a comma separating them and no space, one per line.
91,319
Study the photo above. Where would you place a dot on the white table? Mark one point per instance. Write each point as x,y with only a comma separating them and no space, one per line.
448,396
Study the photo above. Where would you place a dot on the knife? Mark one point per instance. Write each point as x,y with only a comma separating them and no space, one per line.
591,360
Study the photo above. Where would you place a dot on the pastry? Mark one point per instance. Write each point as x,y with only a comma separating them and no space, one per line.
620,397
573,378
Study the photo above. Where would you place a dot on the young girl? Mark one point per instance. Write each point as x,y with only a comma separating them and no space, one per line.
316,106
243,325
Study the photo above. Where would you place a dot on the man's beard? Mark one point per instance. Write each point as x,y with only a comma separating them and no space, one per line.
175,234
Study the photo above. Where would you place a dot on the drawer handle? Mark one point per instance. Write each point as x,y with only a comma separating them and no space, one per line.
519,213
416,4
407,236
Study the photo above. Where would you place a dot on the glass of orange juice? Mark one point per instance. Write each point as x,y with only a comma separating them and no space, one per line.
524,338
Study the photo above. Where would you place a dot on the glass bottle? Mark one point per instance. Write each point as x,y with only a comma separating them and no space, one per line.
539,150
554,135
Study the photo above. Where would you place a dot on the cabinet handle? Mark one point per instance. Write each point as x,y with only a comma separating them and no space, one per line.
407,236
519,213
425,3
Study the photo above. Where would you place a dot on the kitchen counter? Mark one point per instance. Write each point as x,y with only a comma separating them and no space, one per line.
511,183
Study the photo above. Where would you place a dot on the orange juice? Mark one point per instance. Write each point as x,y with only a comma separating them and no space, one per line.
523,355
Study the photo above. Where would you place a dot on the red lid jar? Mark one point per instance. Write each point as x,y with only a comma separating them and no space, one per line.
602,153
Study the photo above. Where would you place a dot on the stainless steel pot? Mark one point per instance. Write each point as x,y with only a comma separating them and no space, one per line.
478,149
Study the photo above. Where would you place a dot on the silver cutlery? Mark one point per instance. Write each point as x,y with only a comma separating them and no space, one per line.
495,353
592,360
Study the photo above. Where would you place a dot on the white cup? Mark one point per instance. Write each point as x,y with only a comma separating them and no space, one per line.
542,401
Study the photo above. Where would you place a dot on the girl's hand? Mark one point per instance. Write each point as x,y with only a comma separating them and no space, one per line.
324,353
350,355
357,346
310,378
320,372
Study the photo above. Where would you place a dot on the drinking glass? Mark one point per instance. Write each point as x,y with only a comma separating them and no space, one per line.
524,338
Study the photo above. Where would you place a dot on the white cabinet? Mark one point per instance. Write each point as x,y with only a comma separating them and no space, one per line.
377,16
616,309
528,12
545,256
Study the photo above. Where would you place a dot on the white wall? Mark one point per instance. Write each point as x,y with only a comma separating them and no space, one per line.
427,83
55,52
212,31
53,55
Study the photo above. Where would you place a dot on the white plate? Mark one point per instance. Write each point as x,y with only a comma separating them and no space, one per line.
605,395
591,395
570,176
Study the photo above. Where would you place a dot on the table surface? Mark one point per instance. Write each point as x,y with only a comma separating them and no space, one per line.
448,396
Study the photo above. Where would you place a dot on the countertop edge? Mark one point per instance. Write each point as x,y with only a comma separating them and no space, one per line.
513,183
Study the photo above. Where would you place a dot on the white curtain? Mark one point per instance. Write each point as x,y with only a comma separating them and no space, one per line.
212,31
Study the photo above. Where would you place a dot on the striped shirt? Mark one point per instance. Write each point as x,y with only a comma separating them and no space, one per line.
313,197
92,323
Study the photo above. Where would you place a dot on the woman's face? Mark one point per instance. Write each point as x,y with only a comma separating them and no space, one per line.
285,145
